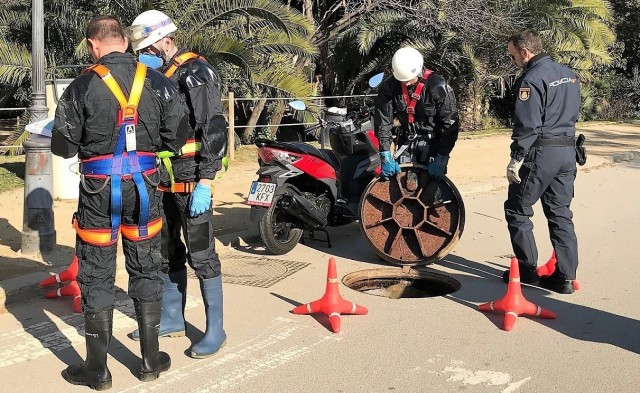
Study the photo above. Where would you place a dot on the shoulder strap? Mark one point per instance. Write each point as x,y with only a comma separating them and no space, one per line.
180,60
412,100
136,90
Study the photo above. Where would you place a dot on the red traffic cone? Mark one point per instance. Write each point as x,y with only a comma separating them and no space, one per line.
69,274
514,303
548,268
331,303
72,289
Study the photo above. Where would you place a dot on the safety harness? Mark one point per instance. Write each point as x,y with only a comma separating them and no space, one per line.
412,100
192,147
125,163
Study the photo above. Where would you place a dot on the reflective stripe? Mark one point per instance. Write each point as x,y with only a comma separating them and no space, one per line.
412,100
180,60
190,148
132,232
184,188
95,236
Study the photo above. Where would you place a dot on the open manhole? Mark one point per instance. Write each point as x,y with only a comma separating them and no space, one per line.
398,284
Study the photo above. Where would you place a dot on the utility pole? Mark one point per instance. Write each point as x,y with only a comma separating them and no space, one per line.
38,232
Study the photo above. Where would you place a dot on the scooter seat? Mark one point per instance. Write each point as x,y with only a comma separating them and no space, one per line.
327,155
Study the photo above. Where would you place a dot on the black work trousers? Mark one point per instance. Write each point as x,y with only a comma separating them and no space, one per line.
97,264
199,250
547,174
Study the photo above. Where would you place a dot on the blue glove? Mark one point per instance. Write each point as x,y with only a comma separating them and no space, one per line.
389,166
438,167
200,200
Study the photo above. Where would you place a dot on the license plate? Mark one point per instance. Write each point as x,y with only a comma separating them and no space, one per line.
261,194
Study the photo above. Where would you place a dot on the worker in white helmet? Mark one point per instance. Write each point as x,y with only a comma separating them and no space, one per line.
187,201
425,106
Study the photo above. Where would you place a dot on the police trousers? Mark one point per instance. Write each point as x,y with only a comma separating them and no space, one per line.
548,175
97,264
199,249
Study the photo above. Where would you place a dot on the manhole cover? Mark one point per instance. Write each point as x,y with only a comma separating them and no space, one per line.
411,219
398,284
256,271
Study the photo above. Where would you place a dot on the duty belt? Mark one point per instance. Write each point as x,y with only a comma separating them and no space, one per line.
545,142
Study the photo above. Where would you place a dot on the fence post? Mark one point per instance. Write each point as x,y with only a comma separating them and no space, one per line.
232,130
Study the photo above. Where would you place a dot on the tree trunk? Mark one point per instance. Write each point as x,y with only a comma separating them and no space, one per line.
308,9
247,134
276,118
472,107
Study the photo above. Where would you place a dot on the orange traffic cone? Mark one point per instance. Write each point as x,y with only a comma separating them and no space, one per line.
68,290
548,268
331,303
514,303
69,274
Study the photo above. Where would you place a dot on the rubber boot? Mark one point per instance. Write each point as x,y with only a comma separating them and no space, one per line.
153,361
94,372
174,298
214,336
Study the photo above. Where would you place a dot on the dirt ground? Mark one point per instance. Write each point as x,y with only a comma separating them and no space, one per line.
477,165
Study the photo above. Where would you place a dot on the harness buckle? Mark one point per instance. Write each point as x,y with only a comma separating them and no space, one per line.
411,110
415,96
128,115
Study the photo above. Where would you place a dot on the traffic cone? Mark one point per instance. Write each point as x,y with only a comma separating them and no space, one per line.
548,268
69,274
514,303
72,289
331,303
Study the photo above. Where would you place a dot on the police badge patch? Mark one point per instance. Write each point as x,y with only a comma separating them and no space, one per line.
525,93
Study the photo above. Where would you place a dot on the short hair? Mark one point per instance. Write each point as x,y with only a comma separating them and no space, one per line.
105,27
527,39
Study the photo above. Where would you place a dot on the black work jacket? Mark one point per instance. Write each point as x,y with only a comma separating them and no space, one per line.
86,116
199,85
436,112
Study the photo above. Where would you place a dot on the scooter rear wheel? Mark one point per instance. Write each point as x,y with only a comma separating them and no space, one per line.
277,233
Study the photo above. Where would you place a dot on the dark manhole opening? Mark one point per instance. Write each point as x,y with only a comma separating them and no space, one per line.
396,284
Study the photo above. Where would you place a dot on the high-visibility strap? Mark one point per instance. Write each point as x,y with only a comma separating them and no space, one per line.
132,232
95,236
181,188
190,148
412,100
180,60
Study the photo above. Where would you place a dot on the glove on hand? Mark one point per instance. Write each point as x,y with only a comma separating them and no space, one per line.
389,166
200,200
513,171
438,167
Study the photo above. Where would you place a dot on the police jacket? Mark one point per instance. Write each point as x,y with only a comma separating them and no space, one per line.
547,104
199,85
435,112
86,119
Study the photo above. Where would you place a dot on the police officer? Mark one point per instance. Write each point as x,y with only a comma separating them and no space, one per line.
115,116
187,196
543,160
425,105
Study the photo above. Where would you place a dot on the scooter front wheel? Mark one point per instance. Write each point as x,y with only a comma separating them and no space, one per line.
278,234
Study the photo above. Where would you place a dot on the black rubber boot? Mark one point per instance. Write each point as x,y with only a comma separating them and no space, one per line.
528,274
153,361
94,372
557,282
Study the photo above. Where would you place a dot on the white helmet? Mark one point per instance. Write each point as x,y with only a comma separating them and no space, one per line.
148,28
407,64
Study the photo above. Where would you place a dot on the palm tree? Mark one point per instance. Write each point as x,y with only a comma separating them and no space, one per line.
255,44
465,41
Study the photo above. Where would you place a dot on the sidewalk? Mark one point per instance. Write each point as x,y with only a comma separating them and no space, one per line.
477,166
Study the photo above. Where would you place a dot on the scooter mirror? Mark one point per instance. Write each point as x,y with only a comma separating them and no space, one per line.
298,105
376,80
